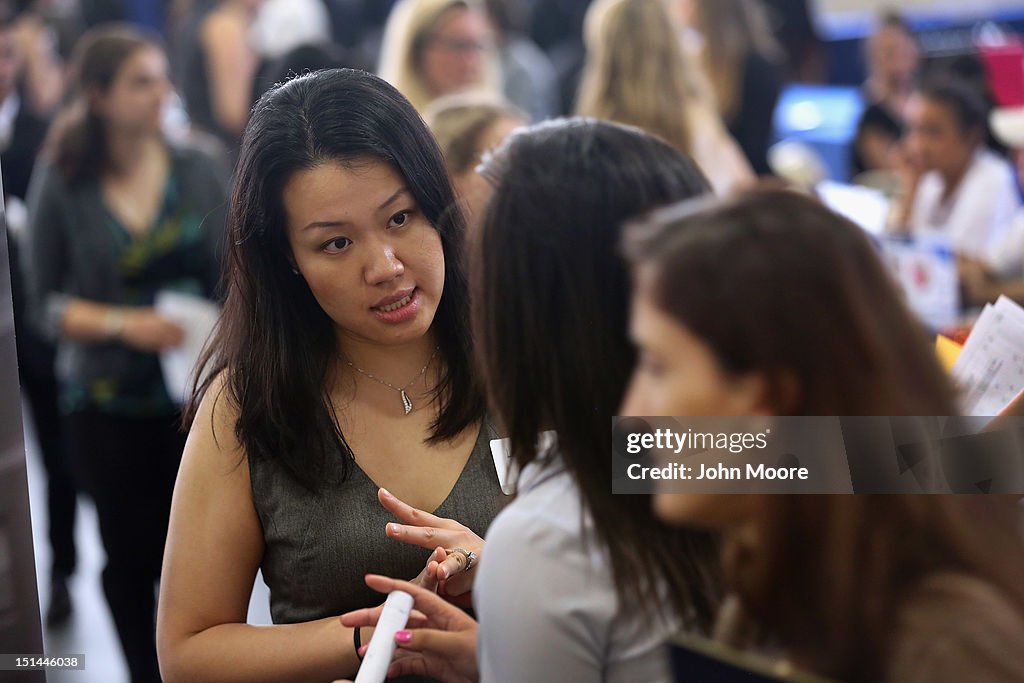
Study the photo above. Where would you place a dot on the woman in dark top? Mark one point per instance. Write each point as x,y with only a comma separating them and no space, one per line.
216,67
116,216
341,364
745,67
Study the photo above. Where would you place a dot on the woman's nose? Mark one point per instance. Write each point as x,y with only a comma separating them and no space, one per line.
384,265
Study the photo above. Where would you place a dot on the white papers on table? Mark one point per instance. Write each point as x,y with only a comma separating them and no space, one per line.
924,268
865,206
197,317
990,369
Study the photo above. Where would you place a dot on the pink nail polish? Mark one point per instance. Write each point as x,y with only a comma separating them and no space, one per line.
386,493
403,636
395,529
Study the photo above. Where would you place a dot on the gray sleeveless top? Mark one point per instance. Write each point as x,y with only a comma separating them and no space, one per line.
319,546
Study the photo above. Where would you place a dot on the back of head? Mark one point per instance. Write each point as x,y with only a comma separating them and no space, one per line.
878,48
636,70
739,272
549,311
457,122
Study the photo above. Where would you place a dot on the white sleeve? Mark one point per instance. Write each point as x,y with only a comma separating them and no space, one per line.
1007,258
927,197
984,209
544,611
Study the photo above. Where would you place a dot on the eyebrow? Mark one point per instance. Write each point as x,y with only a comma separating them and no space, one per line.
335,224
393,198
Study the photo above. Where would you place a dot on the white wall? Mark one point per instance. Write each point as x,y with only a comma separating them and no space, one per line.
979,7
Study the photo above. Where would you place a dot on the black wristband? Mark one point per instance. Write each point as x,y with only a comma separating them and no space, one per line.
357,641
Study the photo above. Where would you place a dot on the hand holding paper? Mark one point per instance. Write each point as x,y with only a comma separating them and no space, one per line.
196,317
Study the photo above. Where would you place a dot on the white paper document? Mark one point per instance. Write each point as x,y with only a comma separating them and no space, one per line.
990,370
197,316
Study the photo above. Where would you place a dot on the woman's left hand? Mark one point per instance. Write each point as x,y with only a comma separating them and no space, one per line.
975,279
425,530
427,578
439,640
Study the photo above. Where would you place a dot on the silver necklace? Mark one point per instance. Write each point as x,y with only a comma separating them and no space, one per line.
406,401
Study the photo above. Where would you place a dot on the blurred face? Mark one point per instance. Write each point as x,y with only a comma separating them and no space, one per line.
893,56
10,63
934,140
373,261
455,52
135,100
684,12
677,374
472,188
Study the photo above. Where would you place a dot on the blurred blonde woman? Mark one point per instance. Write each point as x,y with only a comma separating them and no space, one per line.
744,64
637,73
467,126
433,48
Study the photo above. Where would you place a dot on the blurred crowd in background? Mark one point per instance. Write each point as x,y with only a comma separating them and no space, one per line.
130,113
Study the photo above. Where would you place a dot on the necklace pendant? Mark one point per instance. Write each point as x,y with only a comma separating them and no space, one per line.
406,402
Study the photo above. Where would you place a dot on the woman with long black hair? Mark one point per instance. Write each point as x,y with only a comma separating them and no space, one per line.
341,364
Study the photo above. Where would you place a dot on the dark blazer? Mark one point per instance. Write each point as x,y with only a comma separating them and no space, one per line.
35,354
17,161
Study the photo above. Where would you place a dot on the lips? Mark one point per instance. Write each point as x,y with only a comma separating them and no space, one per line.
398,304
395,301
400,307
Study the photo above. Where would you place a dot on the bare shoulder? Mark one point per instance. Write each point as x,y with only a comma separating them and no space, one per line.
211,440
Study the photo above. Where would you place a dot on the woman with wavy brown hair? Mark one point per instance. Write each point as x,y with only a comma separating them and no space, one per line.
771,304
637,73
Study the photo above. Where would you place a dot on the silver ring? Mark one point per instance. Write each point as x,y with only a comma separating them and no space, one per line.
470,556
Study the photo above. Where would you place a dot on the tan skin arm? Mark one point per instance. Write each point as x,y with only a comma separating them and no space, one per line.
910,172
140,328
232,67
214,547
980,286
44,75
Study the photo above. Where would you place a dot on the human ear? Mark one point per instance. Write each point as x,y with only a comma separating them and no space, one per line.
763,393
